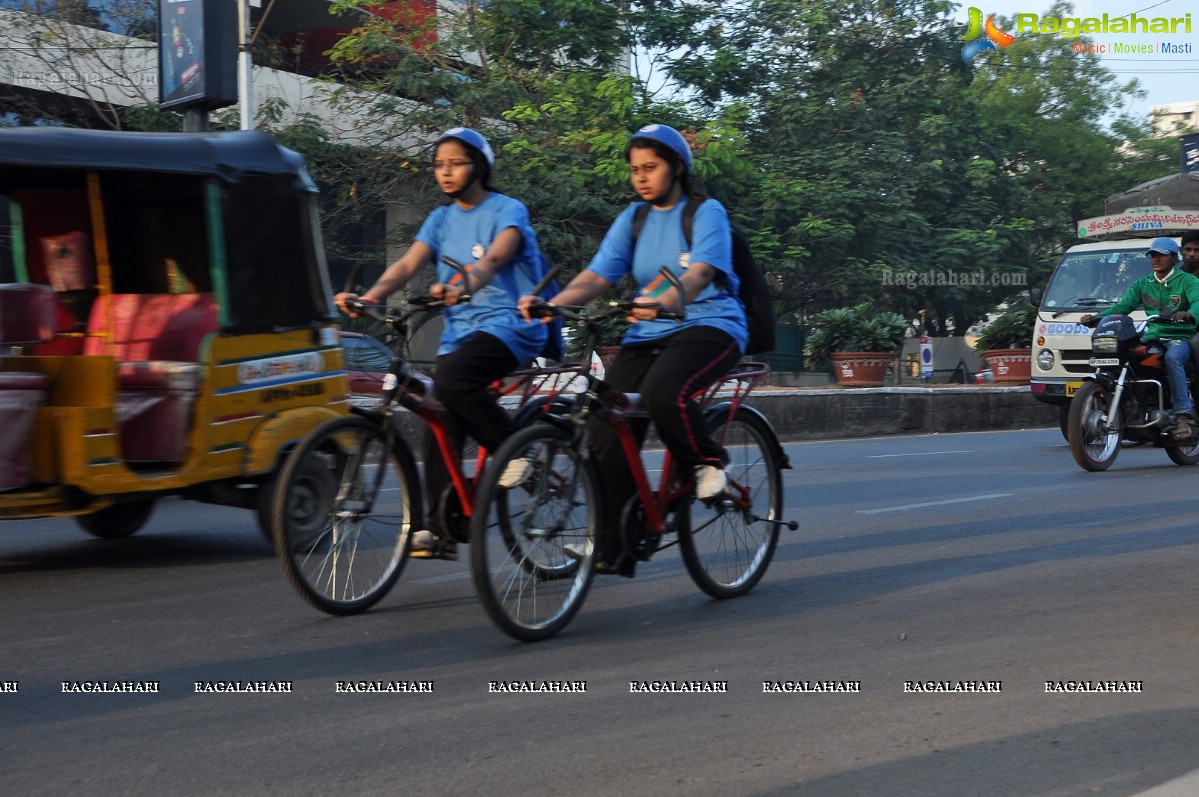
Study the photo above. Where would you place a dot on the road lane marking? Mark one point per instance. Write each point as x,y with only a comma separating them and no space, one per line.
905,507
1186,786
919,454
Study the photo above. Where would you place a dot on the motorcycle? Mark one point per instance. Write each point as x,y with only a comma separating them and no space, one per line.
1126,399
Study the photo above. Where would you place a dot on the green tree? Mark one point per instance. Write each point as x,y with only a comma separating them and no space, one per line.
1049,112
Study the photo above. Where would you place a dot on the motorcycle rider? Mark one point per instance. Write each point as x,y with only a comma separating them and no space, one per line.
1170,295
1190,252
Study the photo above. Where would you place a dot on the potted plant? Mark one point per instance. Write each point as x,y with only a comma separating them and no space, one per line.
860,343
1006,343
612,332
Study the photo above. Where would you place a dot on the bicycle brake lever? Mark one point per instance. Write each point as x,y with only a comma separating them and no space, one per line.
352,278
669,276
549,275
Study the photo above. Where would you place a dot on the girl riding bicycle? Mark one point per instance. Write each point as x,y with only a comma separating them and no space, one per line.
485,339
666,361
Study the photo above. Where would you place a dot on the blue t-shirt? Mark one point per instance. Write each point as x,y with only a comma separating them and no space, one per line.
662,243
465,235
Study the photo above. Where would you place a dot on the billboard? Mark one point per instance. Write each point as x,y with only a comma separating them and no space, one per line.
197,53
1190,153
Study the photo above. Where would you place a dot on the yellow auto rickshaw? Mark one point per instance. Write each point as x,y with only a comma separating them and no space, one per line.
165,323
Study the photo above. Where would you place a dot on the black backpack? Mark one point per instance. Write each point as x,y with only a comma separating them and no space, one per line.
754,292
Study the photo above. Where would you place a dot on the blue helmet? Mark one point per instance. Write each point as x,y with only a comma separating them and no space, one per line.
1165,246
470,138
664,134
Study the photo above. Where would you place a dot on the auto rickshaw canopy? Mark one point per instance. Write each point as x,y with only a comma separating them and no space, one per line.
230,213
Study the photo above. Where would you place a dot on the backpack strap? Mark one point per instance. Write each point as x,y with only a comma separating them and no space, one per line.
642,211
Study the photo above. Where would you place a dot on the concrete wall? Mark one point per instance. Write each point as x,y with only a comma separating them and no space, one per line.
835,413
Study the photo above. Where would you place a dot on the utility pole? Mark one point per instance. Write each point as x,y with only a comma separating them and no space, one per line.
245,64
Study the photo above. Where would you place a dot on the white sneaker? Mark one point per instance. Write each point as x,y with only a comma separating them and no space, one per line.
425,544
577,550
516,472
710,481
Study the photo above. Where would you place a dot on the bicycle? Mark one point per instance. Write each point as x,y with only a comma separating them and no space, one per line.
349,494
531,586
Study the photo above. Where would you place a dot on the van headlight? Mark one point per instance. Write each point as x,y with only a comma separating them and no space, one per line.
1045,360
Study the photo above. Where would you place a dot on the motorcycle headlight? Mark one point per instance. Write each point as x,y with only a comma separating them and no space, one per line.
1104,345
1045,359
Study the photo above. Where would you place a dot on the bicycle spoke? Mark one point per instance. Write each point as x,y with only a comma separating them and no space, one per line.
356,557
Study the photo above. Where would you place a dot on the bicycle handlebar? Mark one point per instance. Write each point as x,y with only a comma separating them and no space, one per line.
543,309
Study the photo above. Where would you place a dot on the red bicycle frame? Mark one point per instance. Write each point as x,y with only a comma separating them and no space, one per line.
423,403
733,387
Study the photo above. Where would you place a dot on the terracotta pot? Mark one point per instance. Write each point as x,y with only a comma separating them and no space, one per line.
861,368
1010,365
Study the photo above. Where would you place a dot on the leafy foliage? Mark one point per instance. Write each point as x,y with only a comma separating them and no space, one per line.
847,137
858,328
1012,330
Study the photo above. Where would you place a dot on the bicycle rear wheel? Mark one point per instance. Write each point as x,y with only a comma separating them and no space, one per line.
344,544
528,585
724,545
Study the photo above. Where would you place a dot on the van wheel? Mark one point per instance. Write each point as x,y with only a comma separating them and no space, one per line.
118,520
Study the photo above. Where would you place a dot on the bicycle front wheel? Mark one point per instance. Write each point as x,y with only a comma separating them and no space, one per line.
727,543
529,585
342,515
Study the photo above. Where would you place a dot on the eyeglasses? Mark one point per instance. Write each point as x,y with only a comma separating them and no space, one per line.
439,165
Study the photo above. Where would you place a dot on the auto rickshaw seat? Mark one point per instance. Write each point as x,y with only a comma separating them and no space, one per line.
27,317
28,314
151,326
156,340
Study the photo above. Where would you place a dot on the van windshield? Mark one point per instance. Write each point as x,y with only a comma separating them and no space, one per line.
1095,279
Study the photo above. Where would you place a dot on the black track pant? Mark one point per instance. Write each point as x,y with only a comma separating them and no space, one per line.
461,380
665,372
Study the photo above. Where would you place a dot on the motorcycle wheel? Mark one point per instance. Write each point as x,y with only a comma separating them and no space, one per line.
1187,454
1093,448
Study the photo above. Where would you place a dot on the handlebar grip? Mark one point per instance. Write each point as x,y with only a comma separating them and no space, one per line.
542,309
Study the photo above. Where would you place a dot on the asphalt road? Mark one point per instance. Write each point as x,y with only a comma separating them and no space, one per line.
975,558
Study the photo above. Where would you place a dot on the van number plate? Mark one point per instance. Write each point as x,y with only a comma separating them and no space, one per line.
1100,362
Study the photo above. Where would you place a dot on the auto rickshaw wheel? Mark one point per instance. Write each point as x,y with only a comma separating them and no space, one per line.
313,489
118,520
